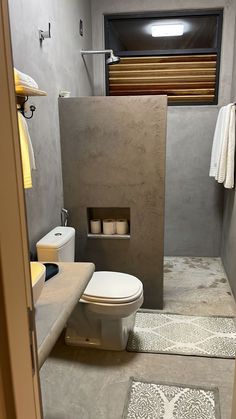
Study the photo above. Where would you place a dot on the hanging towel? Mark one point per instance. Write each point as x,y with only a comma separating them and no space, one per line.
22,79
217,144
222,156
27,153
230,164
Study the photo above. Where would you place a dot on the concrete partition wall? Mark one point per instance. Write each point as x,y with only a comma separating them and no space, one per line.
113,156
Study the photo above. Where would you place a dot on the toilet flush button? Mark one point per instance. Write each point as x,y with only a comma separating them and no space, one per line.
58,234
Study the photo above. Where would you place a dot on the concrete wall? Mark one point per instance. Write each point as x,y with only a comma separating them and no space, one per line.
113,156
56,66
229,221
193,211
193,201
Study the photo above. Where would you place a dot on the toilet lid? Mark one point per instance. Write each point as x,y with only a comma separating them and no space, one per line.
113,287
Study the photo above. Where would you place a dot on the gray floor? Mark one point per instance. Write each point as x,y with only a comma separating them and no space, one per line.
88,384
197,286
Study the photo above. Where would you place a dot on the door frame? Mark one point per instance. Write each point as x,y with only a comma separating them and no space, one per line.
20,396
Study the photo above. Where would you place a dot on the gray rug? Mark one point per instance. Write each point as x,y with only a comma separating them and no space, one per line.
183,335
170,401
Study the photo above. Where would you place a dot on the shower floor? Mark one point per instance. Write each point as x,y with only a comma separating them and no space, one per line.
197,286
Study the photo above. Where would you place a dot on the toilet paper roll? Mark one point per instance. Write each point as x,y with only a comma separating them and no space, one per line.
95,226
109,226
122,226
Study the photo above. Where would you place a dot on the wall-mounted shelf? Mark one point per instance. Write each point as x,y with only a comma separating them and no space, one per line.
29,91
109,236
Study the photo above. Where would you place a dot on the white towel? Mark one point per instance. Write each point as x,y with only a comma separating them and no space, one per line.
217,145
22,79
222,156
229,178
27,152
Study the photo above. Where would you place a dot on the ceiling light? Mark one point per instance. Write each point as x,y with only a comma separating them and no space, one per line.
168,30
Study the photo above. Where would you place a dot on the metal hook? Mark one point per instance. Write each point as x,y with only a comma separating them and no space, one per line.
45,34
22,109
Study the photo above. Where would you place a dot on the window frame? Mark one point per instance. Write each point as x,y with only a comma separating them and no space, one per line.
167,14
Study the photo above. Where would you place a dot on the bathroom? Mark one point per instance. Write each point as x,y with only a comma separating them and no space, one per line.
199,214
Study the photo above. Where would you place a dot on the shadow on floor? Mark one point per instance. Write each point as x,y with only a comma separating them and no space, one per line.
103,359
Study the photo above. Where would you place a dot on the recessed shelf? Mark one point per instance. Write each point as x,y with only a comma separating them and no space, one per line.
29,91
109,236
110,213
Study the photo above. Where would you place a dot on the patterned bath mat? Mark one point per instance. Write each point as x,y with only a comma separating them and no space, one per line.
183,335
170,401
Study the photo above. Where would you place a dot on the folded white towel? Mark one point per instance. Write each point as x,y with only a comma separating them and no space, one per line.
27,152
22,79
222,156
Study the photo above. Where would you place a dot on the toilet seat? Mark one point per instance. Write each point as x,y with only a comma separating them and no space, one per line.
112,288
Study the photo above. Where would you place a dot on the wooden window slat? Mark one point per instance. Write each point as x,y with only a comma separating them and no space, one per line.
169,58
171,72
167,65
180,77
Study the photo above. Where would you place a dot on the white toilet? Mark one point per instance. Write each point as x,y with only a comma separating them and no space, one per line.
105,314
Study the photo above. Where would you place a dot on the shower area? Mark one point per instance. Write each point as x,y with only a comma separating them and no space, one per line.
173,209
186,67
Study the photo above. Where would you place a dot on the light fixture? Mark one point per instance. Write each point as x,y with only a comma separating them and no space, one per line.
176,29
112,59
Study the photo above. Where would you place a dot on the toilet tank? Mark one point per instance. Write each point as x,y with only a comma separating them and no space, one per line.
57,246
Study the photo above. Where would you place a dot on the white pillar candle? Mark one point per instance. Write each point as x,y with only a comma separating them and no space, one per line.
95,226
109,226
122,227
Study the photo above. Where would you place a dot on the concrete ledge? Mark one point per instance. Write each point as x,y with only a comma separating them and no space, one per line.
57,301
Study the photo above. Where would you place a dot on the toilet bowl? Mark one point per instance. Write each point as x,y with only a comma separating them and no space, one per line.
104,316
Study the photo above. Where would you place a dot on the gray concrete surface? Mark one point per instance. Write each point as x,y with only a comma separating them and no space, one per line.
56,65
92,384
57,301
113,155
193,209
229,220
197,285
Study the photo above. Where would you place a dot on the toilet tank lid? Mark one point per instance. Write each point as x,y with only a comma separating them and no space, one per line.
56,238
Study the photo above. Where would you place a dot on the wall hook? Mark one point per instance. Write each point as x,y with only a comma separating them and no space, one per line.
32,109
45,34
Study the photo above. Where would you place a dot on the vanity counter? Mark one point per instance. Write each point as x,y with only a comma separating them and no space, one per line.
57,301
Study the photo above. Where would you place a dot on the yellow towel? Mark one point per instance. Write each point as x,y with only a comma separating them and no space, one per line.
27,154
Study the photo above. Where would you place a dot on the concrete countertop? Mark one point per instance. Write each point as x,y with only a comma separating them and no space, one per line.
57,301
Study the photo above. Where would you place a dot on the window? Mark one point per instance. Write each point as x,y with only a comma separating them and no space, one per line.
173,53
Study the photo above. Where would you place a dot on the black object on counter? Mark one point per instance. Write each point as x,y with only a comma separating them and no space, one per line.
51,270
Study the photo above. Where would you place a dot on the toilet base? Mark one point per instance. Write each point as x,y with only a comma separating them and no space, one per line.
85,328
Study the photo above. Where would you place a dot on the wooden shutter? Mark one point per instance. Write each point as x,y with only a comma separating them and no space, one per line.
184,78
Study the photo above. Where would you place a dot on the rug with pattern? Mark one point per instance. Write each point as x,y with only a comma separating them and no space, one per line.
170,401
183,335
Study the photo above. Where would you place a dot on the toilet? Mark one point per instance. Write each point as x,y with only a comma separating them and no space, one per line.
105,314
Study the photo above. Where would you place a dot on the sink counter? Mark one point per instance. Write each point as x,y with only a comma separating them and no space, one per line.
57,301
